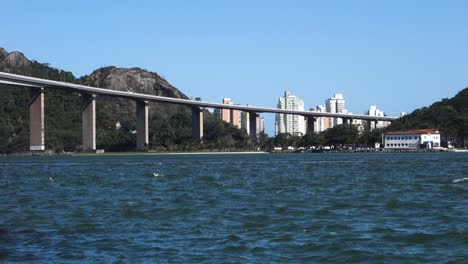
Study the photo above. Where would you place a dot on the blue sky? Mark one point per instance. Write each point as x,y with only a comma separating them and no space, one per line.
398,55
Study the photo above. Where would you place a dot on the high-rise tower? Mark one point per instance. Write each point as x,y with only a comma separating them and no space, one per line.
285,123
335,104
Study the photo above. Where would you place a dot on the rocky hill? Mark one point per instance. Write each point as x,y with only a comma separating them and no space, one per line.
135,80
13,60
132,80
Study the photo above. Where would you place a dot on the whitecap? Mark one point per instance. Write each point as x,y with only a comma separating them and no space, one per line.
460,180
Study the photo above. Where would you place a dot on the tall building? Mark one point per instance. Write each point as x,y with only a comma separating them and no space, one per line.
335,104
340,103
226,113
330,105
230,115
292,124
373,111
321,123
236,118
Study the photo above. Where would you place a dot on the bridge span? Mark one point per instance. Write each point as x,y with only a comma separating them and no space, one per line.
36,111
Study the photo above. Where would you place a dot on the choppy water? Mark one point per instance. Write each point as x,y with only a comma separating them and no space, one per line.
260,208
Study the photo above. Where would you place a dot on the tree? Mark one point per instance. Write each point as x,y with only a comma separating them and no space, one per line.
311,139
370,137
341,134
263,141
282,139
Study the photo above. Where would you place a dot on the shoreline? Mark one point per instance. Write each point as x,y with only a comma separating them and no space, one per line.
166,153
46,153
134,153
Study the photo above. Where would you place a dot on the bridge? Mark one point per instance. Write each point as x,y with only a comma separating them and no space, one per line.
36,111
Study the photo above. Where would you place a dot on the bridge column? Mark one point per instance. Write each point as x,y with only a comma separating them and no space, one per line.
351,121
142,125
36,120
197,124
253,116
310,124
370,125
88,115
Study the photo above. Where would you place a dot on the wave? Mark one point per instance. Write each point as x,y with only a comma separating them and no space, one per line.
461,180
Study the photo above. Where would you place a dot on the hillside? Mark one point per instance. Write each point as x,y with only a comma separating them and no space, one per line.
449,116
170,125
131,80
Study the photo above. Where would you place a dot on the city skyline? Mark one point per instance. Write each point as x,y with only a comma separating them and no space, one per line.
297,125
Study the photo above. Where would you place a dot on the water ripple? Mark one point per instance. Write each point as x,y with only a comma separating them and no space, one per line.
271,208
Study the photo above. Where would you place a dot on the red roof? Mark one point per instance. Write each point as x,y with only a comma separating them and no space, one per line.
413,131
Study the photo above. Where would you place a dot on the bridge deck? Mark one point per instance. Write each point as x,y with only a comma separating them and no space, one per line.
20,80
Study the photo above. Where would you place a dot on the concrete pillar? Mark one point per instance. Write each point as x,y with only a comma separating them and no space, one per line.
142,125
231,116
197,124
310,124
370,125
351,121
36,120
253,116
88,115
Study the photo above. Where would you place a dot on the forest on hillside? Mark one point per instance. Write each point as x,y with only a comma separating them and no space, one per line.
449,116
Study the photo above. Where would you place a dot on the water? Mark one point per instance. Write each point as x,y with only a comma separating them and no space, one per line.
257,208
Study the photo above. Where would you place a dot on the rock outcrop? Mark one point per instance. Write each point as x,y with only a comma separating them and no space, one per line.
13,60
3,53
132,80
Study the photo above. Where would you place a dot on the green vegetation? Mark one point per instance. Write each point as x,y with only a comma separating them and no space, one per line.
449,116
62,120
338,136
170,126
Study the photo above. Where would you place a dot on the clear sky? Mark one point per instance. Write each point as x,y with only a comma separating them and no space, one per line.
398,55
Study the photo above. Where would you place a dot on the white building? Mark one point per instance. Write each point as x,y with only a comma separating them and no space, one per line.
320,122
340,103
336,104
292,124
412,139
373,111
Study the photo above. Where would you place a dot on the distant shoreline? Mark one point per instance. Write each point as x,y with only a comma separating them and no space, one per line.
232,152
167,153
50,153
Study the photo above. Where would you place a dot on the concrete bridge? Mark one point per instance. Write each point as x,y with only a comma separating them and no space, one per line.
36,111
